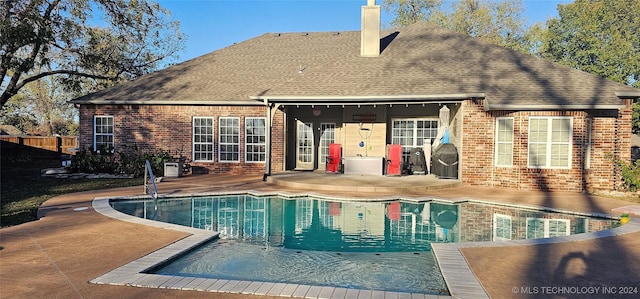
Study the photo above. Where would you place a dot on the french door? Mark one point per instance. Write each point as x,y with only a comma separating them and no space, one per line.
313,150
327,136
305,146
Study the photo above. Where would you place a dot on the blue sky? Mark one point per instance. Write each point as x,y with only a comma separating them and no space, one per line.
214,24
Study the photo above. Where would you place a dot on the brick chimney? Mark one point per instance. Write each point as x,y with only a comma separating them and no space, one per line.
370,32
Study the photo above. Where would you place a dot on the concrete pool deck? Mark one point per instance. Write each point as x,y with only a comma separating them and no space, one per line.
73,244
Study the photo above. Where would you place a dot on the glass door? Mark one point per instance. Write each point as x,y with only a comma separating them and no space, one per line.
327,136
305,152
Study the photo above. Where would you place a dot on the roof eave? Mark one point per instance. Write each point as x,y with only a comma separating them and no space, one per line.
363,100
516,107
628,94
165,102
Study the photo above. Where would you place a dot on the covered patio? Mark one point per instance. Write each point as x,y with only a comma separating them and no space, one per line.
363,126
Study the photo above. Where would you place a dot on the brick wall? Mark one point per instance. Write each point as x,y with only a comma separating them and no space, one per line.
169,128
610,137
154,127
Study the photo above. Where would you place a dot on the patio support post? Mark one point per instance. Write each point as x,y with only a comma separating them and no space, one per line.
271,111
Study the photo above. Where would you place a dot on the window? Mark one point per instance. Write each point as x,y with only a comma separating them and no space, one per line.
255,139
228,220
411,133
229,139
203,138
501,227
546,228
255,219
328,210
504,141
550,142
202,210
328,136
305,149
304,214
102,132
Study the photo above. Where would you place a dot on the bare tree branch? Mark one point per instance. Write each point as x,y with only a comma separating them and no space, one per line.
58,34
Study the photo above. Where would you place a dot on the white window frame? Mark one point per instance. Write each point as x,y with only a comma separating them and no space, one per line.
547,227
504,143
197,136
228,217
304,214
255,217
499,221
415,139
549,143
225,133
250,135
100,128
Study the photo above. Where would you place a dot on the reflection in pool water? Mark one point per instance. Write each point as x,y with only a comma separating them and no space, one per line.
367,245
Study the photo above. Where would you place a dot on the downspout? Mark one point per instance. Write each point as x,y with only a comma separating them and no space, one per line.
617,155
267,164
520,125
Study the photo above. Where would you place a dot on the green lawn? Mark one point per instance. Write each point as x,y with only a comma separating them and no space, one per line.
23,189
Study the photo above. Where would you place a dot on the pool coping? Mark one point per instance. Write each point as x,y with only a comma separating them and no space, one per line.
459,278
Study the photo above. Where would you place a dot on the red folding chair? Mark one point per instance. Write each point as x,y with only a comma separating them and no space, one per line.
394,159
334,159
393,211
334,208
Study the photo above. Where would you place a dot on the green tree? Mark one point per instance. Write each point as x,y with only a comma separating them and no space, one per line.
13,113
499,22
600,37
41,108
83,44
408,12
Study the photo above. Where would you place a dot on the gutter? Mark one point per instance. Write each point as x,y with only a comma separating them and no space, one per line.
489,107
166,102
364,100
628,94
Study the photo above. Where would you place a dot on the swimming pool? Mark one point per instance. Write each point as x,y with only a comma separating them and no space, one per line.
366,245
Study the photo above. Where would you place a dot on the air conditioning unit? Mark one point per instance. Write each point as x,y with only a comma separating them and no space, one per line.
172,169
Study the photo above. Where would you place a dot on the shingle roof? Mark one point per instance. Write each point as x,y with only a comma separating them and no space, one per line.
10,130
422,59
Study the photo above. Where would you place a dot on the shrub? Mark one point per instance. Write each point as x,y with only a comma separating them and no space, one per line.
630,175
92,161
157,160
128,161
131,161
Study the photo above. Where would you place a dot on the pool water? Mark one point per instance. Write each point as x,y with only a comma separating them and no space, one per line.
390,271
364,245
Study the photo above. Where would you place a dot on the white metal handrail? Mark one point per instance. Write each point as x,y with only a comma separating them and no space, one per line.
147,188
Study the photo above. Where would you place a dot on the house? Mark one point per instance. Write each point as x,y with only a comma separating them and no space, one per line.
10,130
275,102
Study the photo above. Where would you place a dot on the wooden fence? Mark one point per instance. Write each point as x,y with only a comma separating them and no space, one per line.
38,146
